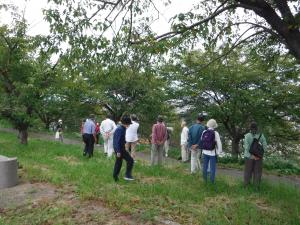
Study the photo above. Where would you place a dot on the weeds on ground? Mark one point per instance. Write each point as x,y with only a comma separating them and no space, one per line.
157,194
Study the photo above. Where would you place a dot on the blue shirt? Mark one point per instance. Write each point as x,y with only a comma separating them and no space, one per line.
119,139
195,132
89,127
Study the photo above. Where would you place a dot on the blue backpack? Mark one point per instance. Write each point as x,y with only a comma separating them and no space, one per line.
208,140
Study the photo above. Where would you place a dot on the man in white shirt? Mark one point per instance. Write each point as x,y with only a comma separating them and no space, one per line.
132,136
107,129
184,142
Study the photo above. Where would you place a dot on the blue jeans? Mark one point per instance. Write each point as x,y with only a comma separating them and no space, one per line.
213,162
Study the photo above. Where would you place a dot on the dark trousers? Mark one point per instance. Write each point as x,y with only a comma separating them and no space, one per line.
213,162
253,168
118,164
97,138
89,141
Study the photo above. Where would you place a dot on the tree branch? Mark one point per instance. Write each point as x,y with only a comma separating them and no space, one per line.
185,29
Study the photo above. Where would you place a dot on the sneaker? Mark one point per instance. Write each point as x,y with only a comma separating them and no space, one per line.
128,178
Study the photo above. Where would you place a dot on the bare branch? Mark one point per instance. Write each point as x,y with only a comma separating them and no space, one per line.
236,44
108,2
182,31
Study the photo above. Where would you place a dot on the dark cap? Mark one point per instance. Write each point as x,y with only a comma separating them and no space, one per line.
126,120
253,126
160,118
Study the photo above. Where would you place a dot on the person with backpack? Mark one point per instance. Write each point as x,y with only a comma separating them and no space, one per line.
194,136
254,146
211,147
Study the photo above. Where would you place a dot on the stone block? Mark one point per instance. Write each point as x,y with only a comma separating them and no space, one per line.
8,172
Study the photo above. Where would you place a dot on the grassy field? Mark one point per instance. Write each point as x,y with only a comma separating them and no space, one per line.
157,193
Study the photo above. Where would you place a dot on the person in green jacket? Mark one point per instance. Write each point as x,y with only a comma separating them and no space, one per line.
253,164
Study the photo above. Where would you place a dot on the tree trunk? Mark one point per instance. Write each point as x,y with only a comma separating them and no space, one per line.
235,148
23,135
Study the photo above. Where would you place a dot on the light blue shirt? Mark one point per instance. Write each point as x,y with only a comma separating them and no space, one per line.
89,127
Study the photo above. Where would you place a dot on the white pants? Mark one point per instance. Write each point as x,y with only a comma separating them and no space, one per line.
195,161
108,145
184,153
167,147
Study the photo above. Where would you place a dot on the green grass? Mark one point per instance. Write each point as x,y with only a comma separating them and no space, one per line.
157,192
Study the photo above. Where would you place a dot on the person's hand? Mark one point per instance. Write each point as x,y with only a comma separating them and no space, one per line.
256,158
118,154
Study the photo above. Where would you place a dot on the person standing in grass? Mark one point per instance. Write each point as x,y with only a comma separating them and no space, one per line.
120,151
107,129
184,142
253,164
158,138
132,136
194,134
211,147
89,136
59,131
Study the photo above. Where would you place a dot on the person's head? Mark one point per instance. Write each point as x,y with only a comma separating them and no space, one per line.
125,120
200,118
97,124
253,127
60,121
183,123
109,116
133,117
92,116
160,119
212,124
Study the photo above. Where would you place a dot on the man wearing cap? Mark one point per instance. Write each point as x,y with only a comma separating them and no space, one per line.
194,134
253,164
120,151
89,136
158,138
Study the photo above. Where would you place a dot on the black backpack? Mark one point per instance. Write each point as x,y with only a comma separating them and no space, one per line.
256,148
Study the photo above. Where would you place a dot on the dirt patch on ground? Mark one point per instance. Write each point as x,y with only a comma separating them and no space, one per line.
26,197
71,160
152,180
26,192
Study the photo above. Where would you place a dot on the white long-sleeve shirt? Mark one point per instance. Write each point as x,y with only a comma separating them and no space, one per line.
107,126
218,146
184,136
131,132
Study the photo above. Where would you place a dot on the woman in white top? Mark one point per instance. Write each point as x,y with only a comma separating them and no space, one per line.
184,142
131,136
211,147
